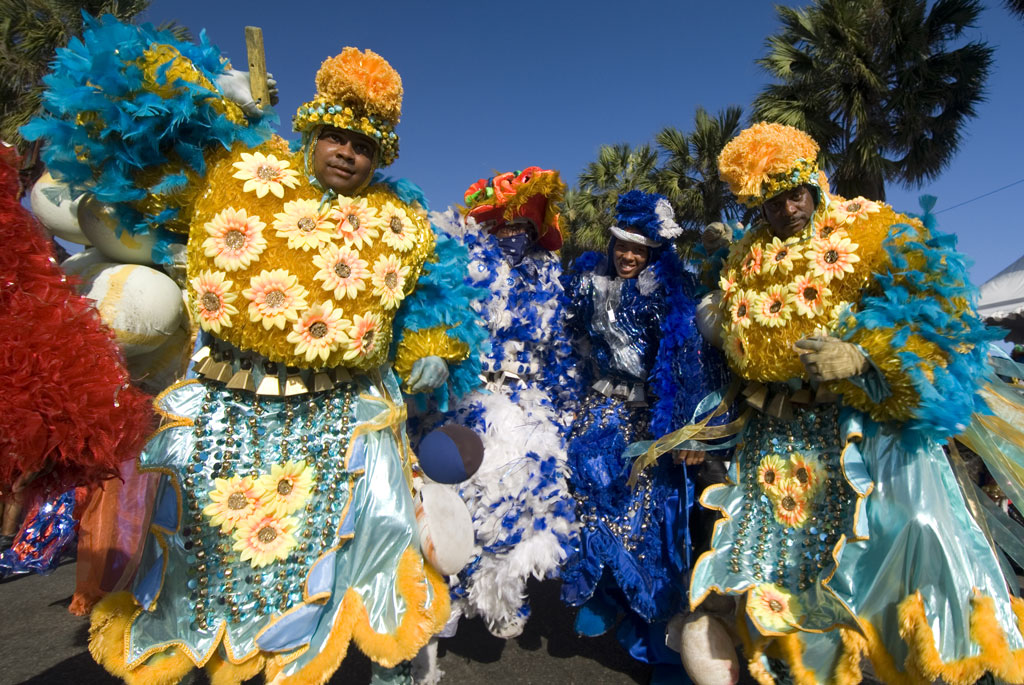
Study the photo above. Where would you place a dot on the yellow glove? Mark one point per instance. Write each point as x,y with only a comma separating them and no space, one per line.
831,359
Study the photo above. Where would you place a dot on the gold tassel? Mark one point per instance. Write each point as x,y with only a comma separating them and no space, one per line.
756,394
242,380
293,385
322,381
269,386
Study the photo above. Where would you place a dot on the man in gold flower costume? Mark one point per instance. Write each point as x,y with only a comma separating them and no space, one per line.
853,333
285,524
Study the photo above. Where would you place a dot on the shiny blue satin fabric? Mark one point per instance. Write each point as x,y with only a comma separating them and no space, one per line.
351,534
907,530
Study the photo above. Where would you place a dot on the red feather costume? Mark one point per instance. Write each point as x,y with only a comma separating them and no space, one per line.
68,413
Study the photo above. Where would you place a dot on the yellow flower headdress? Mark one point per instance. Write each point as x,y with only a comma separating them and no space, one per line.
767,159
358,91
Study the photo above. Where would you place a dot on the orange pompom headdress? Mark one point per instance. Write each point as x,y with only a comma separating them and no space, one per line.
767,159
358,91
532,193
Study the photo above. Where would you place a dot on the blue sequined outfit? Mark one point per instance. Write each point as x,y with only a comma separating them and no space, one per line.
646,368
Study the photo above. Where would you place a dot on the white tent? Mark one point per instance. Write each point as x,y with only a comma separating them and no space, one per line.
1002,300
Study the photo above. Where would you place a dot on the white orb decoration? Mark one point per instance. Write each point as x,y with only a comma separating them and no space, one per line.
708,652
56,209
100,226
142,306
446,529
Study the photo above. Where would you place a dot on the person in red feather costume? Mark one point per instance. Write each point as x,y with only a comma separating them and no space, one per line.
68,413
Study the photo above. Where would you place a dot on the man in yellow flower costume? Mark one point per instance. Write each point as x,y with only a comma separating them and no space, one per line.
852,330
285,525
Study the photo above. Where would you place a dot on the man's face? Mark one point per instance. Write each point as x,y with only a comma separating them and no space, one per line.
343,160
629,258
517,226
789,212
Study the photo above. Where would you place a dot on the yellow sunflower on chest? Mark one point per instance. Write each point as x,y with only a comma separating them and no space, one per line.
275,269
777,291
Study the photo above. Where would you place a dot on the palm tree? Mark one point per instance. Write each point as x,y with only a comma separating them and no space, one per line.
684,168
879,84
1015,6
590,206
689,177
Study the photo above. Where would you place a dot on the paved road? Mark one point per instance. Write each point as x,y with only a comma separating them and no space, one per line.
42,644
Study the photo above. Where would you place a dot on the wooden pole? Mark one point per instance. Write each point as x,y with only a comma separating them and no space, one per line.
257,66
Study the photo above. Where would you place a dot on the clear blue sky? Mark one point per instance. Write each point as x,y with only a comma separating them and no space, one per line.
492,86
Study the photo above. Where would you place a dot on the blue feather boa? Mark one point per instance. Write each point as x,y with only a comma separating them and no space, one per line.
918,302
96,77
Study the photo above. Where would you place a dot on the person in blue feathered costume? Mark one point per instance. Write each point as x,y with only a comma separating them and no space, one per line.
645,368
523,513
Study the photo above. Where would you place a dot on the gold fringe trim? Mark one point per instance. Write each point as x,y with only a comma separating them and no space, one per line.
419,623
111,620
108,632
923,665
223,672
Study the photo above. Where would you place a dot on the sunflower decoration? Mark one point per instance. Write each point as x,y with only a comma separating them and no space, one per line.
342,272
779,256
806,471
397,230
771,472
235,239
773,308
773,607
357,221
232,501
855,209
752,262
319,331
830,225
727,283
791,506
213,299
364,336
809,296
265,174
388,280
304,224
832,257
285,489
275,298
736,350
741,309
265,538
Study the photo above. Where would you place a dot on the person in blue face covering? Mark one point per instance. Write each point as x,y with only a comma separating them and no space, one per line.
521,507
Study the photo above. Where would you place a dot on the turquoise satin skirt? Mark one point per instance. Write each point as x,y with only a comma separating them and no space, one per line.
844,543
283,528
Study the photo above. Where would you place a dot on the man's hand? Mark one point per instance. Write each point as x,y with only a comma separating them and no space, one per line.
689,457
427,373
235,86
831,359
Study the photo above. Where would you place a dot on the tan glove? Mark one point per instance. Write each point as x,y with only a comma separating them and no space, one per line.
831,359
